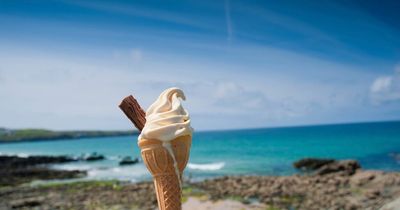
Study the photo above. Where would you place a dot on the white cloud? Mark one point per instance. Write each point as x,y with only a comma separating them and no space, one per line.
385,89
71,91
381,84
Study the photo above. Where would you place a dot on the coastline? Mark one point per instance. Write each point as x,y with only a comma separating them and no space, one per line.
330,185
34,135
37,134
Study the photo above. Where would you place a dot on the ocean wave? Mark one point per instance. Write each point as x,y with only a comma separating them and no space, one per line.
207,166
114,158
131,173
106,172
72,167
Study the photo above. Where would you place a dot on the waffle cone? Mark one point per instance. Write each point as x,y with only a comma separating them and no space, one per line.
161,165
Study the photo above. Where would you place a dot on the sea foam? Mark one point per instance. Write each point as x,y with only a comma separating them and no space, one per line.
207,166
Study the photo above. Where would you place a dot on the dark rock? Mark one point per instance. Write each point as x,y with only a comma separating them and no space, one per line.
349,167
16,170
25,203
308,164
15,161
128,161
327,166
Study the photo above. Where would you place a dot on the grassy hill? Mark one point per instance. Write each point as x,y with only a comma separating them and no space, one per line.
10,135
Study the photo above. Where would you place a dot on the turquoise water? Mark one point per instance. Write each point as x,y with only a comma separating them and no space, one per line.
258,151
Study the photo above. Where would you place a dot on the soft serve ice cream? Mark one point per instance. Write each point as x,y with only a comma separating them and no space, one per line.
167,120
164,142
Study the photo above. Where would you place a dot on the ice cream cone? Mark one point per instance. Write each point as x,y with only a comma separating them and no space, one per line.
160,163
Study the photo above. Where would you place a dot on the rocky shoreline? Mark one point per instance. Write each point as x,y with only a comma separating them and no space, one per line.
330,185
16,170
325,185
363,190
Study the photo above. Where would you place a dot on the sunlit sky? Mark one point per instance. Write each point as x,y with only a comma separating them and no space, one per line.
242,64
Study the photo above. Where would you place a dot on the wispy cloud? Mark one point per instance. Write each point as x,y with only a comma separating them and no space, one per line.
386,89
228,19
142,12
307,36
234,97
287,22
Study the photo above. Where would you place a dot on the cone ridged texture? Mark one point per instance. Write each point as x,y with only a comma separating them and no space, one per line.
161,165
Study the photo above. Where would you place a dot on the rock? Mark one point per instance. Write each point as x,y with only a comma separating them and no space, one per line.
94,157
128,161
17,176
329,191
308,164
348,167
334,182
16,170
15,161
26,203
352,205
327,166
90,195
372,193
363,177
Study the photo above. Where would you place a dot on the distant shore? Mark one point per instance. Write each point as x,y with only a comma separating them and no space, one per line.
330,184
26,135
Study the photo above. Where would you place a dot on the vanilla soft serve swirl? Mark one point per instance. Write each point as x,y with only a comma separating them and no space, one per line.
166,119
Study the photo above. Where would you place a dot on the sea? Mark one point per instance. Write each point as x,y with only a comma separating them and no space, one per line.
264,151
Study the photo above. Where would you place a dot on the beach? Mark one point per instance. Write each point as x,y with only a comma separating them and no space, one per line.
326,184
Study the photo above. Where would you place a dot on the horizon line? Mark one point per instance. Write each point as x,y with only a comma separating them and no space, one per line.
228,129
305,125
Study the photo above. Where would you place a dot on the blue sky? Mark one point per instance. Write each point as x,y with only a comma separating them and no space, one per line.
67,64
